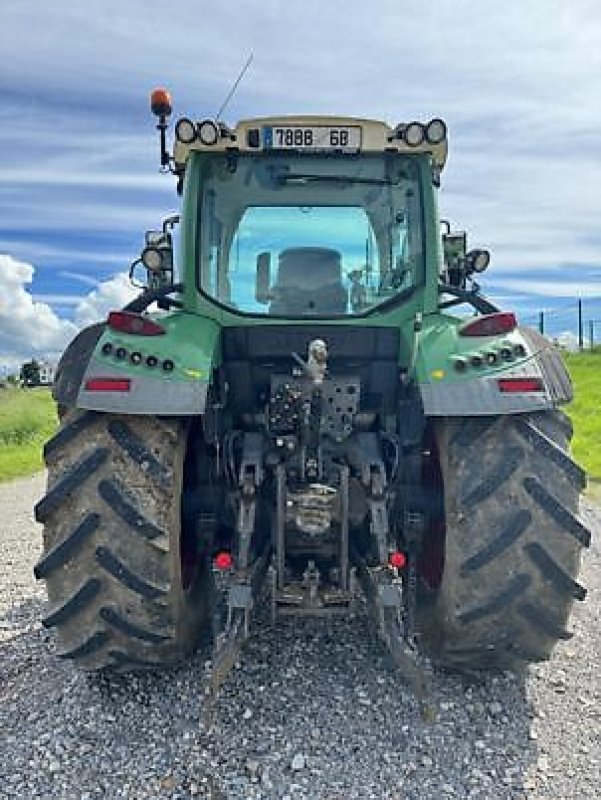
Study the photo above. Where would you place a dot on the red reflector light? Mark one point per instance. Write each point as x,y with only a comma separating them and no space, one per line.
223,560
397,559
108,385
128,322
508,385
490,324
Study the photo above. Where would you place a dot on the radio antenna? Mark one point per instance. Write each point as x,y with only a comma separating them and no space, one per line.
234,87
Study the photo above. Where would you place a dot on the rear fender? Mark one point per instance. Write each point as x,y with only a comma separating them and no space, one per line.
447,391
162,375
73,364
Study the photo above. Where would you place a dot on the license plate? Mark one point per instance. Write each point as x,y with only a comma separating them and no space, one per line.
312,137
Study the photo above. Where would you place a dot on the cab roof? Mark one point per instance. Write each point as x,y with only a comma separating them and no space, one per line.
310,134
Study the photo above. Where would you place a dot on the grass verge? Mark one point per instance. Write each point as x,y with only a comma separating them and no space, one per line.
27,419
585,413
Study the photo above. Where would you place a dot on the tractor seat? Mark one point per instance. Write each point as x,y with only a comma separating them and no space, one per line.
309,281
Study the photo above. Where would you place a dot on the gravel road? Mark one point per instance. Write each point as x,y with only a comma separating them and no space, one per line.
314,712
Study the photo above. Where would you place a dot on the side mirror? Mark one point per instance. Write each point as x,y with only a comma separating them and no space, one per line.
263,279
454,248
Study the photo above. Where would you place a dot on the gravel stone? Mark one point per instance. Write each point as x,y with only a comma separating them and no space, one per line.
317,692
298,762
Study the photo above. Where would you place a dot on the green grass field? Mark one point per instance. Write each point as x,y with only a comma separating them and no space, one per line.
585,412
28,418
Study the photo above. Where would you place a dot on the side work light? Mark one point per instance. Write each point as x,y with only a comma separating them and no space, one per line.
152,258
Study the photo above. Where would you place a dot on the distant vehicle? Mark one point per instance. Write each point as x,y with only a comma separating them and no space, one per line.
37,373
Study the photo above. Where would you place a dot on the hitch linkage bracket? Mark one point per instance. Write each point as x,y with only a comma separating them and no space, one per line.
249,480
384,596
241,592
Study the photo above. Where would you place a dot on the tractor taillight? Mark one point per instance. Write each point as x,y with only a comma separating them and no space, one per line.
223,560
509,385
107,385
490,324
129,322
397,559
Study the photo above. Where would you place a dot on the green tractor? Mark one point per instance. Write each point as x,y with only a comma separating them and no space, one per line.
299,411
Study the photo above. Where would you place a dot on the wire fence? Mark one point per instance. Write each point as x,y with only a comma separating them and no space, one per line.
576,324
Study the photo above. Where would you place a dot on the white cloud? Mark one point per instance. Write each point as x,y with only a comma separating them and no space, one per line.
30,327
27,327
109,295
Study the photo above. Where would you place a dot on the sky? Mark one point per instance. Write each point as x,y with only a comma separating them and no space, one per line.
517,83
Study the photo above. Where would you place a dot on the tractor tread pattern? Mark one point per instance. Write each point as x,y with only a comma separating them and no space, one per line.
112,531
552,572
80,599
109,561
88,647
539,618
472,431
70,481
111,616
58,555
550,450
498,602
513,529
67,433
513,541
506,465
559,420
135,448
114,495
560,514
121,659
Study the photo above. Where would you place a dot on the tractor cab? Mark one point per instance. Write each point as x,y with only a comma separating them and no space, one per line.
308,217
282,234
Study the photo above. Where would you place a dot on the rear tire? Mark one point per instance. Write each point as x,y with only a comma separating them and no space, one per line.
113,539
513,540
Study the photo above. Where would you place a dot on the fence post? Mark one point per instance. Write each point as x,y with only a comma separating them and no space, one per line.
541,322
580,327
591,335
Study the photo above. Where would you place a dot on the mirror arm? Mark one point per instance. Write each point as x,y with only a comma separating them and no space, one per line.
142,301
170,222
476,300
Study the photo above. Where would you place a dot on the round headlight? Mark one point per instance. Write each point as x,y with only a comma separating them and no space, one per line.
436,131
208,132
481,260
414,134
152,259
185,130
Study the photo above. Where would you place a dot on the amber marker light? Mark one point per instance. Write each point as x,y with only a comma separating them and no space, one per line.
160,102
